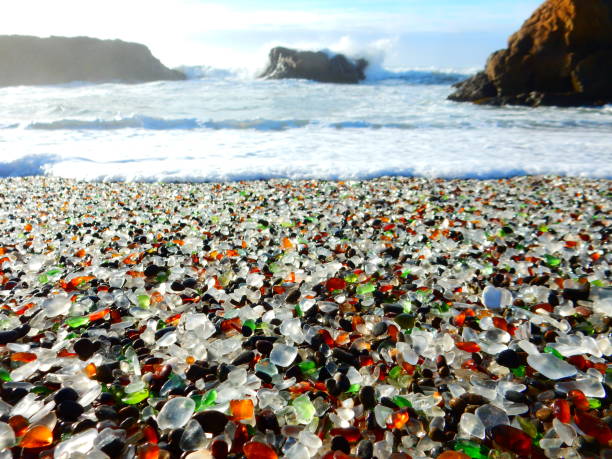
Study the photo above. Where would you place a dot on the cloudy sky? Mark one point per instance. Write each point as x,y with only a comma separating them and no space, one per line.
238,33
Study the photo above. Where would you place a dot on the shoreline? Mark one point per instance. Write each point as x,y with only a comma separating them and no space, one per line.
391,315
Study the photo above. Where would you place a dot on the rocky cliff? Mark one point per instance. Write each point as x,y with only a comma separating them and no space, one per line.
317,66
562,55
26,60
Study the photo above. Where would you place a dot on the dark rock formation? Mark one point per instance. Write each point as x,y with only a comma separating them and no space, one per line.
317,66
26,60
562,55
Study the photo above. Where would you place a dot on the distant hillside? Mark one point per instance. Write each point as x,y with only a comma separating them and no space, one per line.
26,60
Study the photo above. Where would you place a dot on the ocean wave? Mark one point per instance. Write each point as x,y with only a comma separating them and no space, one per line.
415,76
374,74
28,165
148,123
166,124
203,72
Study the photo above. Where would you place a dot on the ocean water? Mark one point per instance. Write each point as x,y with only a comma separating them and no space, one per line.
222,126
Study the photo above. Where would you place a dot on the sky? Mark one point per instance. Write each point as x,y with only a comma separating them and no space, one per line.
238,33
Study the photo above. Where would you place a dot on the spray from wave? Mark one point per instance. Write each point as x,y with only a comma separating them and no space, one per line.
374,52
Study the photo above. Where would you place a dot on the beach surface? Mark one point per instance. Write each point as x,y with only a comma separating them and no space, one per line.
298,317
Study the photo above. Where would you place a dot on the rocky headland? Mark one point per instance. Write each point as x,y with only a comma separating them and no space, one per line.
562,55
310,65
26,60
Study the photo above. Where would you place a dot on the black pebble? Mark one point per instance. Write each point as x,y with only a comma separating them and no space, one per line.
69,411
10,336
264,347
367,397
379,329
267,420
104,413
516,397
340,444
114,447
84,425
244,357
152,270
508,359
212,421
177,286
85,348
65,394
195,372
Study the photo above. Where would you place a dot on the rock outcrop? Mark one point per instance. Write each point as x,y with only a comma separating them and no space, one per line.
26,60
317,66
562,55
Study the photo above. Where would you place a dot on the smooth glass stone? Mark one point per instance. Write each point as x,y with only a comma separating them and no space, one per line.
283,355
491,416
135,397
565,432
550,366
381,413
471,426
496,298
258,450
79,443
561,410
206,401
307,367
193,436
590,387
75,322
512,439
7,436
242,409
175,413
144,301
472,449
593,427
452,455
364,289
552,261
304,409
37,437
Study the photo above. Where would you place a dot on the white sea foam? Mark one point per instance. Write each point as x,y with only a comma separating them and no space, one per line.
233,129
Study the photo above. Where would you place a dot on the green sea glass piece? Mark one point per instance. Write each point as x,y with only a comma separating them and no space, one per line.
304,409
364,289
144,301
74,322
472,449
135,397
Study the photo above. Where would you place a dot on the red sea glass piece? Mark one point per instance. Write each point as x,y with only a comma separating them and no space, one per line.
350,434
257,450
593,427
19,424
37,437
335,283
148,451
453,455
399,419
561,410
579,400
512,439
23,357
242,409
580,362
468,346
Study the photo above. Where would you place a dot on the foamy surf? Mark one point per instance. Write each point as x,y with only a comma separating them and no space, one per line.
219,128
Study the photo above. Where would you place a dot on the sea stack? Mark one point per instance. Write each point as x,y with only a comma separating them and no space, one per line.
561,56
310,65
26,60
